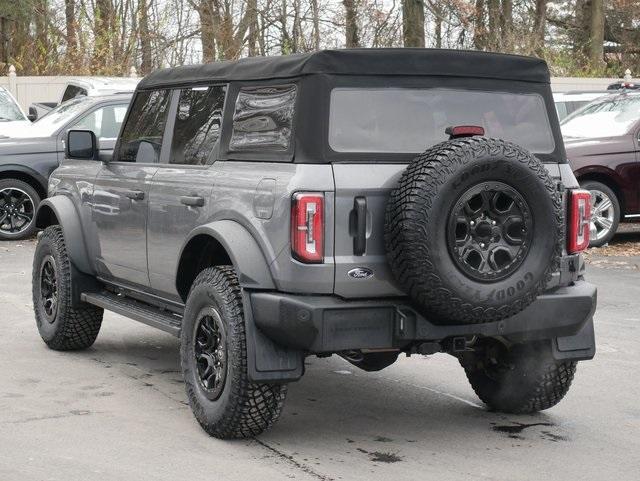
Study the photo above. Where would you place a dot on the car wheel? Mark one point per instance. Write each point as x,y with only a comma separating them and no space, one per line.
18,206
61,326
522,379
460,233
213,349
605,213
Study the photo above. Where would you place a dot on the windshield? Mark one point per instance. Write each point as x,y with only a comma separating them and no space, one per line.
58,117
603,118
9,111
405,120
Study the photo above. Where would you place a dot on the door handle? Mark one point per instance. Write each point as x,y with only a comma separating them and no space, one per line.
360,227
192,201
134,194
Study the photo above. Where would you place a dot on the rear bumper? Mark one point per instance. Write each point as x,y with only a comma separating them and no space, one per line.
319,324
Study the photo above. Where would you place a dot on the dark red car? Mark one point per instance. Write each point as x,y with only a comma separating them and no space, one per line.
602,141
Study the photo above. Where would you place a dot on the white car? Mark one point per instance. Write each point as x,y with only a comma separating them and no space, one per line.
87,87
568,102
12,116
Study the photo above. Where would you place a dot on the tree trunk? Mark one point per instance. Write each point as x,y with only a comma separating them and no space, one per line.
71,36
351,22
316,24
102,32
596,41
413,23
539,22
207,31
480,27
494,35
506,25
252,18
146,63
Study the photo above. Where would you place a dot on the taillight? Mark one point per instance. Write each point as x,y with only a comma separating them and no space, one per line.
579,220
307,227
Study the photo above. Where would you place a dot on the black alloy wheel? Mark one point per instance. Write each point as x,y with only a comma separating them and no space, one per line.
49,288
210,351
489,231
17,209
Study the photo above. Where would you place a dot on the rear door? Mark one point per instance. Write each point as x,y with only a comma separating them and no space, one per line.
121,191
181,188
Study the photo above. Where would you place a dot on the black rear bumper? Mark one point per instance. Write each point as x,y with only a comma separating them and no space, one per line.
318,324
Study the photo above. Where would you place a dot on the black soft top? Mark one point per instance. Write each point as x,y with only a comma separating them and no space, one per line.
379,62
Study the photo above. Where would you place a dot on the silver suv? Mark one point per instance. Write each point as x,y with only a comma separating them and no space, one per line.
364,203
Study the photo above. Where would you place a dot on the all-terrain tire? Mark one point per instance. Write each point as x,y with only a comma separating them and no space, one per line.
418,216
525,379
61,326
243,408
29,209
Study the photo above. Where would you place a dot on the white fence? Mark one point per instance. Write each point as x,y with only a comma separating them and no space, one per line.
28,90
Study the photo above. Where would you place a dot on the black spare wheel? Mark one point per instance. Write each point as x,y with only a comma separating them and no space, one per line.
474,230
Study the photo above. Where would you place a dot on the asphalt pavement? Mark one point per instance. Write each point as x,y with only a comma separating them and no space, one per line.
118,411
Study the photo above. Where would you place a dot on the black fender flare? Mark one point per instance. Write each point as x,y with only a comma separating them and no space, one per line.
61,207
266,360
244,252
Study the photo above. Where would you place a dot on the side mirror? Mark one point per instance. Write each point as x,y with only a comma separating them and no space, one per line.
33,114
82,144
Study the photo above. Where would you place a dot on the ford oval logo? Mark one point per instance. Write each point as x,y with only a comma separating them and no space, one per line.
360,273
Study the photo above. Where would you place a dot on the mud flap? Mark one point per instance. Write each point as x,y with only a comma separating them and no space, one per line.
579,347
266,360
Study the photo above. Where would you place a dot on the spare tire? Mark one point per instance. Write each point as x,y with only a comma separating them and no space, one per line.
474,230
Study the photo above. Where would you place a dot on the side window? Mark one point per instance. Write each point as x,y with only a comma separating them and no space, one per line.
263,118
142,135
105,122
197,126
71,92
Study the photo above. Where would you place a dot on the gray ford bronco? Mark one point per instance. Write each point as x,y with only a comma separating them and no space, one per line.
365,203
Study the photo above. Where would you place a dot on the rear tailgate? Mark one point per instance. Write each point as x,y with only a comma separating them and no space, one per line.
368,274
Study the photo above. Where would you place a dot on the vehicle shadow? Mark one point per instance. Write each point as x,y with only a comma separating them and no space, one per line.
340,409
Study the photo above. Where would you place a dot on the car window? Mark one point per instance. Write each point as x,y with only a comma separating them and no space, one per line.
410,120
71,92
197,125
105,122
8,108
142,135
263,118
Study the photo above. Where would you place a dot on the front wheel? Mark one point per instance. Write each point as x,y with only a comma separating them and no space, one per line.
213,350
521,379
62,326
605,213
18,204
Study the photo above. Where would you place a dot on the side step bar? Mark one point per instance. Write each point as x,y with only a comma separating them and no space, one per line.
136,310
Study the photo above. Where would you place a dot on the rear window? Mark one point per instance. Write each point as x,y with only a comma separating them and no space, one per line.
402,120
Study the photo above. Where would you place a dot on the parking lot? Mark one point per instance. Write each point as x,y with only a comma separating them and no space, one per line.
118,410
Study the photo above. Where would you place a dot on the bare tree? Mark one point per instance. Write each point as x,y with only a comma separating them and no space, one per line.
413,23
351,24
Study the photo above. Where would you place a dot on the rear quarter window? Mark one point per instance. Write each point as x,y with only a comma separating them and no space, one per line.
263,118
410,120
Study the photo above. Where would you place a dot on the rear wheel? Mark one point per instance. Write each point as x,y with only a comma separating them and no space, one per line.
18,205
605,213
521,379
213,349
